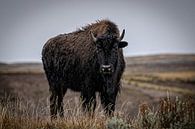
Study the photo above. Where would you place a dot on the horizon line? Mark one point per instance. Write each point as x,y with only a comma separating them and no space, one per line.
126,56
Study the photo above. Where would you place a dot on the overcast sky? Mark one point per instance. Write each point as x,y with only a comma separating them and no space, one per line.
152,26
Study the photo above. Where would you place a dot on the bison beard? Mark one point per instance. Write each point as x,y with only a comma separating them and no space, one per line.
108,95
89,60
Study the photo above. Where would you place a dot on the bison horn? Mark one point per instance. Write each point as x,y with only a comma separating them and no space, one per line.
122,35
93,37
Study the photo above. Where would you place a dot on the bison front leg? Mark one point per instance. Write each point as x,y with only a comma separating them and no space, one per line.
88,102
108,104
53,105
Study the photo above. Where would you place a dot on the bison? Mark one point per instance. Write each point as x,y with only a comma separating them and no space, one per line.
88,60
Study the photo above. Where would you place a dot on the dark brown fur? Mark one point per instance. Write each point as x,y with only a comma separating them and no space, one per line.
70,61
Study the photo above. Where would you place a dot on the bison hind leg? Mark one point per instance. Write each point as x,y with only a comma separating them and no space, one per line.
53,105
56,104
60,102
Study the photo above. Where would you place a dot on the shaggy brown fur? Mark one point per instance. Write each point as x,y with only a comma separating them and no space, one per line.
73,61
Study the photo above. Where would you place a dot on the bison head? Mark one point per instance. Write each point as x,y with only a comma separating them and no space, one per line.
107,48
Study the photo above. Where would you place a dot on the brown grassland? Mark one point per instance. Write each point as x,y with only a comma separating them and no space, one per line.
158,92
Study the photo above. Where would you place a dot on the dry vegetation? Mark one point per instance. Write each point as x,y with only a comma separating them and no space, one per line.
142,104
172,114
164,72
166,81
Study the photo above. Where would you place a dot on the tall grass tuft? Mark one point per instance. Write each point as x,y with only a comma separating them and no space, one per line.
171,114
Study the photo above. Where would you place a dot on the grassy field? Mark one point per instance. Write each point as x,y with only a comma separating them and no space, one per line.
164,72
180,81
157,92
170,114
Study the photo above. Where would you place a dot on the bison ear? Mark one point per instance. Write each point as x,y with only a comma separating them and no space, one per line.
122,44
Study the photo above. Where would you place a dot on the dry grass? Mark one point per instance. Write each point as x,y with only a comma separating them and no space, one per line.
21,114
162,88
25,68
185,76
170,114
166,81
180,76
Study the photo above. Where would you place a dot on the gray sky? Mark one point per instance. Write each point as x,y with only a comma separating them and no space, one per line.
152,26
